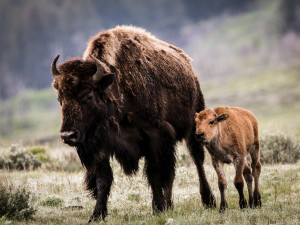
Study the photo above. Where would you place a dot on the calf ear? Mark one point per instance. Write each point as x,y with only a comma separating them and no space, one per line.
195,116
222,117
106,81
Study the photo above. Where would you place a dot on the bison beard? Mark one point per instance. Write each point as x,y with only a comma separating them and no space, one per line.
131,96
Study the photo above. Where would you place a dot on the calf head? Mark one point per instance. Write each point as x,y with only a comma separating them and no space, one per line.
207,122
81,85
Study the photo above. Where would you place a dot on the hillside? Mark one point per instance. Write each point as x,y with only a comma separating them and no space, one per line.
242,60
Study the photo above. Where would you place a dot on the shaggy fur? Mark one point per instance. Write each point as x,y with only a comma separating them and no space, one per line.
142,106
229,134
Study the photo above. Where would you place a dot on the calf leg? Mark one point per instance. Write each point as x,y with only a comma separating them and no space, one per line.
221,182
239,164
197,152
256,169
248,177
102,179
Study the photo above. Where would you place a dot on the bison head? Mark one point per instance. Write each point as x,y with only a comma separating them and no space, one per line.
81,86
207,125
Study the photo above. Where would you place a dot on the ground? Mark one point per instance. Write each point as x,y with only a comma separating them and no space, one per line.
130,199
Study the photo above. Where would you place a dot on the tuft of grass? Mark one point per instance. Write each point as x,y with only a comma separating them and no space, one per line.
52,201
37,150
16,204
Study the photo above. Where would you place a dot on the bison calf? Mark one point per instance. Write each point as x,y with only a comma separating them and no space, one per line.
229,134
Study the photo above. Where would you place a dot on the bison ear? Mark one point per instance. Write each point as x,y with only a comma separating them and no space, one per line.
195,116
106,81
222,117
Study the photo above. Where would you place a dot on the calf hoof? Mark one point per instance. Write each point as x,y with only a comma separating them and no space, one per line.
257,199
223,207
243,203
251,203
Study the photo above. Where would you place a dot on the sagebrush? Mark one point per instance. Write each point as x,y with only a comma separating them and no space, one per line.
279,148
16,204
19,159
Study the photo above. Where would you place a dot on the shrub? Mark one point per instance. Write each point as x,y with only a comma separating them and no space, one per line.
279,148
52,201
16,204
20,159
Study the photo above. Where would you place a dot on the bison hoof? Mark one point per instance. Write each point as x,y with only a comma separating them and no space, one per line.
97,217
209,201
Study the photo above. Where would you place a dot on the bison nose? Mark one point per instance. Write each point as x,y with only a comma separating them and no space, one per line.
70,137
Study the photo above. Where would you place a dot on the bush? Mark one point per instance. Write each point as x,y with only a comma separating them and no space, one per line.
52,201
279,148
19,159
16,204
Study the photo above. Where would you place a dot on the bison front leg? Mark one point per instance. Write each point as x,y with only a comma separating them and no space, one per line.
103,178
197,152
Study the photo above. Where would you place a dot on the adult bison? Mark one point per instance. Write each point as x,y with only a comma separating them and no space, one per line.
131,96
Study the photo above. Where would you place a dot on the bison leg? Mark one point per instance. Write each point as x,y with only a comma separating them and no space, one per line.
103,180
167,176
221,182
154,180
249,179
160,176
197,152
256,169
239,164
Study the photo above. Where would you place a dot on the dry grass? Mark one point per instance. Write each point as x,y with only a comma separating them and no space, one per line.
130,199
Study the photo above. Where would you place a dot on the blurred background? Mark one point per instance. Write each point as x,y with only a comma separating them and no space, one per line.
245,52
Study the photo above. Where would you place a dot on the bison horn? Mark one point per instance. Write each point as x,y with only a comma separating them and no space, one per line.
55,72
100,70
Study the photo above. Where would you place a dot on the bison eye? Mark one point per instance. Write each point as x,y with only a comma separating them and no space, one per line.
211,122
87,98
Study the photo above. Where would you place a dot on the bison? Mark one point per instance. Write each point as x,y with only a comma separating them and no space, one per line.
229,134
131,96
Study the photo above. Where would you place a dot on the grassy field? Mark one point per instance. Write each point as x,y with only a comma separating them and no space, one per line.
241,61
130,199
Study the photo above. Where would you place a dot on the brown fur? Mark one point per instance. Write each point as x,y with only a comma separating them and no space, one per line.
229,134
142,106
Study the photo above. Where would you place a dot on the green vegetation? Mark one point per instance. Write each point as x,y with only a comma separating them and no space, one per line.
16,204
52,201
32,117
63,200
19,159
279,148
242,60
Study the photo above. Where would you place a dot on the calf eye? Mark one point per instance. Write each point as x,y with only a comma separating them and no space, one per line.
211,122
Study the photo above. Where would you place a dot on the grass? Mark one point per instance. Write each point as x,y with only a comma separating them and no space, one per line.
271,94
130,199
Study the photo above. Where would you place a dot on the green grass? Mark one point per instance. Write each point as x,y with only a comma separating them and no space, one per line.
272,95
130,199
30,116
